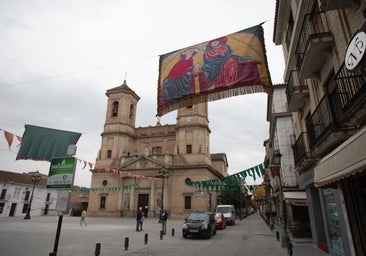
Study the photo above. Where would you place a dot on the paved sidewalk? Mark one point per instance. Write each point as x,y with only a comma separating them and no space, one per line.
19,237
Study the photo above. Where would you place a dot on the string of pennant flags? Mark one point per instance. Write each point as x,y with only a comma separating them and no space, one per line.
10,138
230,181
115,189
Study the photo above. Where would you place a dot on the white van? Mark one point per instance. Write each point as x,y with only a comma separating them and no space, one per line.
229,212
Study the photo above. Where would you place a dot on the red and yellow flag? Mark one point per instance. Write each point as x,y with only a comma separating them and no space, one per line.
228,66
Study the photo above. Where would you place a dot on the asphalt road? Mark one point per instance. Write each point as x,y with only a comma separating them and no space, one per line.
36,237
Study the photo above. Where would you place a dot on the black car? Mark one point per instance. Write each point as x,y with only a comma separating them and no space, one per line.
200,224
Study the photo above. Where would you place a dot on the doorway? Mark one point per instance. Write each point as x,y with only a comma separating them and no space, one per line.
143,201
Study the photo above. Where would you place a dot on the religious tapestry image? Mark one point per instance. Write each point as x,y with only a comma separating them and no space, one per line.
228,66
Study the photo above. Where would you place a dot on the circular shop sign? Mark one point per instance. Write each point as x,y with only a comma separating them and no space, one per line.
355,51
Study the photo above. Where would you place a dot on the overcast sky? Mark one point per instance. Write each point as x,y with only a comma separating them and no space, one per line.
58,58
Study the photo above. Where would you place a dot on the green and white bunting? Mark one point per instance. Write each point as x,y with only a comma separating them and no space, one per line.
229,181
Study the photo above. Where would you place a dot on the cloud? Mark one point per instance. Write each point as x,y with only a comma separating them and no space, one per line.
58,59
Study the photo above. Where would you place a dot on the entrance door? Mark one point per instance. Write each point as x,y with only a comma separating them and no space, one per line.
143,202
12,209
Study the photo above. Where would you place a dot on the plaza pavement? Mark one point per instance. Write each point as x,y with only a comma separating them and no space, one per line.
36,237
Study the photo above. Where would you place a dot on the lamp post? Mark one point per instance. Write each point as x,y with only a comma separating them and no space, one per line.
268,196
209,200
35,179
164,172
284,235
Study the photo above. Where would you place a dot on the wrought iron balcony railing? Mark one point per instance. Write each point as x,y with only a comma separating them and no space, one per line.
296,91
311,49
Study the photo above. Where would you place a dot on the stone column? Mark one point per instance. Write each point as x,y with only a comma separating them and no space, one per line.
152,206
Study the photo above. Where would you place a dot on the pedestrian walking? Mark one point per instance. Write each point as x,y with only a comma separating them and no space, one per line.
163,219
138,218
83,218
142,221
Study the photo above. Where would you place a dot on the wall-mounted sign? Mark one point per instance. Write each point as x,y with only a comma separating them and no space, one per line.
63,198
61,174
355,51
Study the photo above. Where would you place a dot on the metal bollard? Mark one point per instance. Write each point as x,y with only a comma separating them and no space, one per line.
161,234
127,240
173,231
146,238
97,249
278,235
289,249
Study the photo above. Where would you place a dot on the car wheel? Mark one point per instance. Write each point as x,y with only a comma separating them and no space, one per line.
184,235
208,235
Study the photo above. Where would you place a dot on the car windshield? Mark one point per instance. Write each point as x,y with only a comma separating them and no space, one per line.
224,209
198,216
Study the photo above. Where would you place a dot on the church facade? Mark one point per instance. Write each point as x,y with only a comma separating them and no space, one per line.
150,167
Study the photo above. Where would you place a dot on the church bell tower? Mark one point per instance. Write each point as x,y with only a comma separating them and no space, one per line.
119,127
193,133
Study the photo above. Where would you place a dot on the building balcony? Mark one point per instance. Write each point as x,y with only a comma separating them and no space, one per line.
296,92
314,44
350,97
330,5
302,154
325,131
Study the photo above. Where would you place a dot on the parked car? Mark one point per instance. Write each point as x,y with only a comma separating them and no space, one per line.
220,220
229,212
201,224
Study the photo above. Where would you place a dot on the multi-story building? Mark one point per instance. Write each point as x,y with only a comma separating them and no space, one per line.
19,191
286,199
324,43
150,167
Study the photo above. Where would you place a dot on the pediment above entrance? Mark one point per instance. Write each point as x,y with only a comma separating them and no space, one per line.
142,163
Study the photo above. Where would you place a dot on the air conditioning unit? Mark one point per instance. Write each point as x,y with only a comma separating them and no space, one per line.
330,5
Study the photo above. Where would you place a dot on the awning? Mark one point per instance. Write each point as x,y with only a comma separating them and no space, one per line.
347,159
295,197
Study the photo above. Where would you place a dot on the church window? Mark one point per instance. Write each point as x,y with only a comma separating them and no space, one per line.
189,149
102,202
115,106
187,202
109,153
132,110
156,150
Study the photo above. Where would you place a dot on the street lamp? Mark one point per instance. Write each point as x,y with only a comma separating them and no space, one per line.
284,235
267,183
35,179
210,200
164,172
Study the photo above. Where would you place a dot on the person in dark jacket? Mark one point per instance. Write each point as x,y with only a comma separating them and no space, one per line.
138,218
163,219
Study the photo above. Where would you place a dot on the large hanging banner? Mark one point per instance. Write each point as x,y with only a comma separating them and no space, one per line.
45,144
228,66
